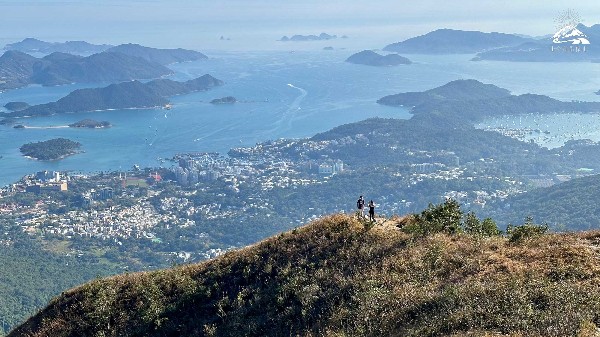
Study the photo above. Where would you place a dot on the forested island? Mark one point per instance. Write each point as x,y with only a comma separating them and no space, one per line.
224,100
125,95
90,123
53,149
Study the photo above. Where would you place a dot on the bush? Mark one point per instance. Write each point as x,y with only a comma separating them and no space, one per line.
526,231
472,225
445,217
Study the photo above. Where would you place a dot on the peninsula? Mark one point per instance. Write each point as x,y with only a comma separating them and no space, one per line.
472,100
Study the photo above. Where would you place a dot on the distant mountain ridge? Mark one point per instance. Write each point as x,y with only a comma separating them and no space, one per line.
18,69
371,58
451,41
32,45
552,49
115,64
126,95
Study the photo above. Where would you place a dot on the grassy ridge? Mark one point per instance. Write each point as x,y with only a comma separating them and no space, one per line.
337,277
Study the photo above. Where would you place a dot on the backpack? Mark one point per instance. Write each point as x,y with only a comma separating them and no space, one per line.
360,203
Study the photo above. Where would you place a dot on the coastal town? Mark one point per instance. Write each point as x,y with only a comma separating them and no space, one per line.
191,208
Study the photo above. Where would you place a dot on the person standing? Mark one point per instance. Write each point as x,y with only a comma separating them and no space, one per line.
360,204
371,211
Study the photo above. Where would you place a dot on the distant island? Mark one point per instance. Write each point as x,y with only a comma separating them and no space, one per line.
371,58
451,41
16,106
120,63
224,100
472,100
161,56
322,36
125,95
31,45
90,123
53,149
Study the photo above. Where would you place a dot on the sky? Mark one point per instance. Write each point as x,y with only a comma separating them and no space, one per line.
257,24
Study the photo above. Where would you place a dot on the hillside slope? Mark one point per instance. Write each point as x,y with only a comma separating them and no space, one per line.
336,278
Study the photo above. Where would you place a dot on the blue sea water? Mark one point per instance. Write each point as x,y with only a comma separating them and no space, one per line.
282,94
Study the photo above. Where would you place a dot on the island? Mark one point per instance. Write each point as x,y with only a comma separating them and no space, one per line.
126,95
322,36
224,100
161,56
53,149
90,123
451,41
371,58
16,106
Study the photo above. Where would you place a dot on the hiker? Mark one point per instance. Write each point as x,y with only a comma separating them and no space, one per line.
371,211
360,204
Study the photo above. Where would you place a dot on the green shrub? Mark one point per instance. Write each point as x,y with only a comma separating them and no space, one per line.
526,231
445,217
472,225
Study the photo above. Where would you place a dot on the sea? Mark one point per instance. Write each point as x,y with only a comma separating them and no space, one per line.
281,94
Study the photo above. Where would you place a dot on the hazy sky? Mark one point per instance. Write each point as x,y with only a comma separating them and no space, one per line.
257,24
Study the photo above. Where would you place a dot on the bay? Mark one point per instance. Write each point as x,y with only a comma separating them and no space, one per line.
289,94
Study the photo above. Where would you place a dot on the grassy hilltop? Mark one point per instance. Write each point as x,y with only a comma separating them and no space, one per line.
441,275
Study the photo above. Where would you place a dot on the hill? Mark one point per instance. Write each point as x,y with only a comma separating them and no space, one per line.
18,69
161,56
572,203
339,277
31,45
371,58
125,95
451,41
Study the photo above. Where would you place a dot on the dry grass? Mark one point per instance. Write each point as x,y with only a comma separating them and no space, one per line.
335,277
